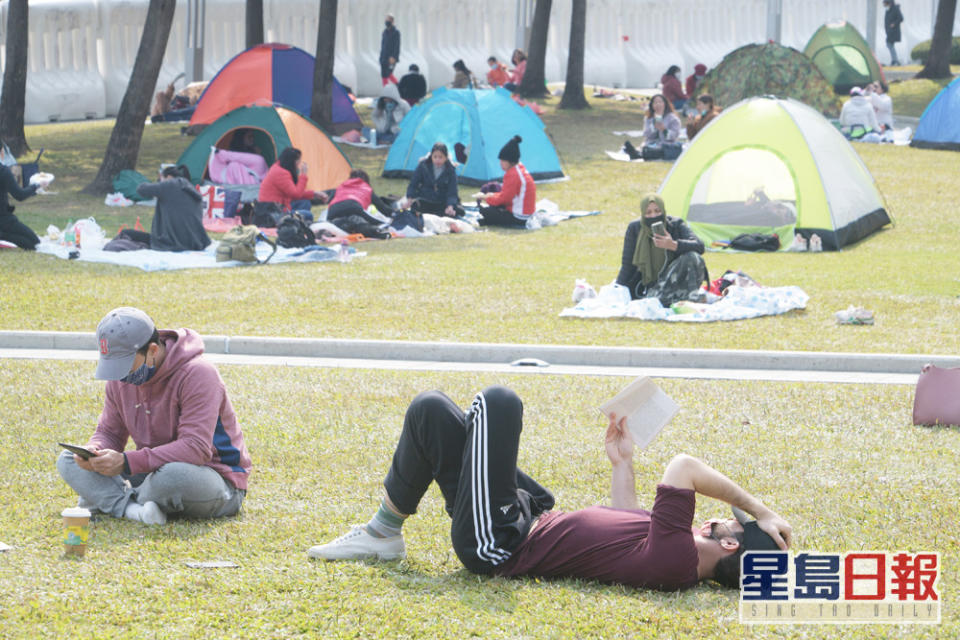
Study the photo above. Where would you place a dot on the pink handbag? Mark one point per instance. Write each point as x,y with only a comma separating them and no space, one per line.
937,400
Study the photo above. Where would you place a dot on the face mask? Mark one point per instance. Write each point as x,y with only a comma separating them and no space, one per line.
649,221
388,24
493,65
140,375
703,112
390,106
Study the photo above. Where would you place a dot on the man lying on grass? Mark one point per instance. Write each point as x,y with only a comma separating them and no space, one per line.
503,525
190,456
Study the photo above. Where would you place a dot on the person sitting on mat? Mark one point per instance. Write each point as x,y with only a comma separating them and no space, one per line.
284,189
502,523
513,205
661,256
433,187
354,196
178,218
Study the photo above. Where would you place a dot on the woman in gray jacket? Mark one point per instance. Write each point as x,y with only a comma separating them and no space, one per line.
178,219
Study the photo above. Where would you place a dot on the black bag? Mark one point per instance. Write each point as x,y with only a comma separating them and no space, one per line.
756,242
651,152
357,224
267,214
407,218
671,150
293,232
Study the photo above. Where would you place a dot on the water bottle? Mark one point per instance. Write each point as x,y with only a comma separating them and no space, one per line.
69,237
344,254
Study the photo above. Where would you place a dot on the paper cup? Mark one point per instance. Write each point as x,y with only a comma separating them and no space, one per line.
76,530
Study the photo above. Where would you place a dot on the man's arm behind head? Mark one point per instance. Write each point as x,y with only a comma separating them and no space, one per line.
687,472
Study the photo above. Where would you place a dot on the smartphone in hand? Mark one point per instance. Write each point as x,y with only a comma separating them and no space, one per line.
658,229
86,454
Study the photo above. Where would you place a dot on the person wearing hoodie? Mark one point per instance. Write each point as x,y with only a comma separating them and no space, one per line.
388,112
178,218
882,105
513,205
858,112
433,187
354,196
190,458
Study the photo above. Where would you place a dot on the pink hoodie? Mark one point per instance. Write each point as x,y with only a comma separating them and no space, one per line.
182,414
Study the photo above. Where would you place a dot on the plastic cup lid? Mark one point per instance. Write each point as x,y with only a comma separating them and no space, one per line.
75,512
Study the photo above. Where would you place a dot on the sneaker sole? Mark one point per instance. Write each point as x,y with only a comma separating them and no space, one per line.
383,557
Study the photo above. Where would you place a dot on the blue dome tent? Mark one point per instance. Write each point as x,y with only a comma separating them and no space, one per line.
483,120
939,126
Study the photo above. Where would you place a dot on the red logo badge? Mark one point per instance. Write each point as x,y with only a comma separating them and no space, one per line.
103,346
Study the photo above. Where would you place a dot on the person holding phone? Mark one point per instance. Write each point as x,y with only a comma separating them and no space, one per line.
190,458
662,123
661,256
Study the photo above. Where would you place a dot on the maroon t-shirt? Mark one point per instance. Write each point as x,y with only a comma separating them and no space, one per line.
639,548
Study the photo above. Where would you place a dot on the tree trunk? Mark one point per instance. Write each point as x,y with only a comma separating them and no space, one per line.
573,97
534,81
321,109
938,64
15,79
254,23
124,145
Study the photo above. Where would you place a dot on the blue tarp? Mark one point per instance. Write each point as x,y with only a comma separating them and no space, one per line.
483,120
939,126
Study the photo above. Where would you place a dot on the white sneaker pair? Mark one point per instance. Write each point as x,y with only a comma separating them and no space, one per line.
359,545
147,513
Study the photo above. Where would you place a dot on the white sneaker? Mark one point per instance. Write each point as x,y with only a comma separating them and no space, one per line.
147,513
358,545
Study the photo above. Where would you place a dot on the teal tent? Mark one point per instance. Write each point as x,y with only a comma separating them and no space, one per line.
483,120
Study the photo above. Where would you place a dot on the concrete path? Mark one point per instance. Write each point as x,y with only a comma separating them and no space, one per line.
515,358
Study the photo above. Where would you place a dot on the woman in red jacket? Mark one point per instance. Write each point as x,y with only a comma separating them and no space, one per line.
284,189
354,196
672,88
517,200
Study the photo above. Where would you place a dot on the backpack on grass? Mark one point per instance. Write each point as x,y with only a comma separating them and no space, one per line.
240,243
293,232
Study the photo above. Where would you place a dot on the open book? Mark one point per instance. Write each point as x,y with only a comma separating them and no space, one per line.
647,407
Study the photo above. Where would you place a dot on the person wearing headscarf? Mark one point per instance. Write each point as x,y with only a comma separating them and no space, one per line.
513,205
668,265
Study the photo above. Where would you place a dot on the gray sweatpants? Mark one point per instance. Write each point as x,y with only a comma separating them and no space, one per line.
178,488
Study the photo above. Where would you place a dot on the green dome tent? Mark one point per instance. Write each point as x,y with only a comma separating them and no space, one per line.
843,57
769,165
770,69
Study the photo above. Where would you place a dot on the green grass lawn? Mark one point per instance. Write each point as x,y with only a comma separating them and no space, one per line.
840,462
505,286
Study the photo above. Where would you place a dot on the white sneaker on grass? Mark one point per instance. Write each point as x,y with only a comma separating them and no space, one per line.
147,513
359,545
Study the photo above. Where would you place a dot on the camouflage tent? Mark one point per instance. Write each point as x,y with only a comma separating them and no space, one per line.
770,69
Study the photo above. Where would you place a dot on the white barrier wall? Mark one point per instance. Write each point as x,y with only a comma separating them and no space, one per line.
81,52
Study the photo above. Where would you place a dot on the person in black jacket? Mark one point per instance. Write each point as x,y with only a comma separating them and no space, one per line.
434,184
891,24
11,229
667,266
413,86
389,51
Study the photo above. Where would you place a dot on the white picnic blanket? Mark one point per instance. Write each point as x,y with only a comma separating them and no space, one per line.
150,260
739,303
621,156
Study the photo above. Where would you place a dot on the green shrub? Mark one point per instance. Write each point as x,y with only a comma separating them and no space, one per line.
922,51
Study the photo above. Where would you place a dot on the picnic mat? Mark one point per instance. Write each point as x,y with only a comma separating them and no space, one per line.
739,303
222,225
150,260
621,156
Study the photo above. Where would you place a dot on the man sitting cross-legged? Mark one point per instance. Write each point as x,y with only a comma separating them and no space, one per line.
502,523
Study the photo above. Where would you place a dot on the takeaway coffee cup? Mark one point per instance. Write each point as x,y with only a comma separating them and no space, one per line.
76,530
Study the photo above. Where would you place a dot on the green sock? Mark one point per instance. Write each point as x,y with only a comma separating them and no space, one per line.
385,522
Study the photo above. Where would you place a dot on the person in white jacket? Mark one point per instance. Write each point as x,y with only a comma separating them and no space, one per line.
858,111
388,111
882,105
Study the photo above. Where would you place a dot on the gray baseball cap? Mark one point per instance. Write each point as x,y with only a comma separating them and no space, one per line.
754,538
120,334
